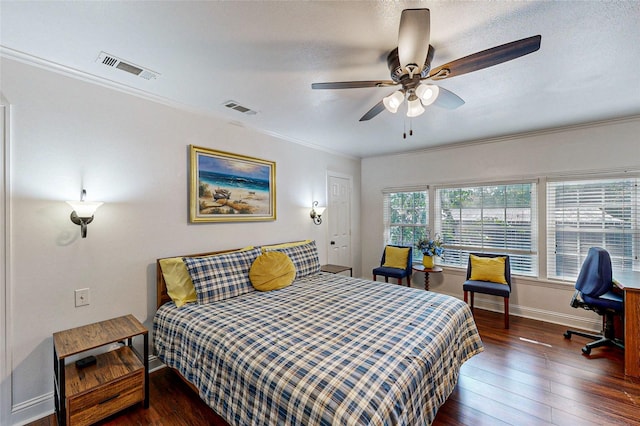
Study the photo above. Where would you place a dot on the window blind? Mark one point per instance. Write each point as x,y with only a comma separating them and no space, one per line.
592,213
489,219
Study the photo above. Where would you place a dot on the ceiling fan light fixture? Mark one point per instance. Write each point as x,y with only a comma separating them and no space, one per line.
414,107
393,101
428,93
413,50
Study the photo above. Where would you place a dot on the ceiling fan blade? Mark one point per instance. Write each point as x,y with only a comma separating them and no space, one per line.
353,84
377,109
486,58
447,99
413,39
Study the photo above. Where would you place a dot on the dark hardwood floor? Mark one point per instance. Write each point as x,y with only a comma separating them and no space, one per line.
527,375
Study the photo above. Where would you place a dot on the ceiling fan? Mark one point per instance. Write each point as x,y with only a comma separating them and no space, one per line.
405,61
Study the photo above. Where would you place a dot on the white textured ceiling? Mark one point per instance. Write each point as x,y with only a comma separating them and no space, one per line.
266,54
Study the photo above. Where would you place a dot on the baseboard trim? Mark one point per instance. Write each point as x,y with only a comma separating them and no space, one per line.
32,409
536,314
155,364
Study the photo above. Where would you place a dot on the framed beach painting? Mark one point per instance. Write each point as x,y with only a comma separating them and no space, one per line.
227,187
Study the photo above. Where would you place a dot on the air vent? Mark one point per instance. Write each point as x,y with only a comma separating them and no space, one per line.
236,106
115,62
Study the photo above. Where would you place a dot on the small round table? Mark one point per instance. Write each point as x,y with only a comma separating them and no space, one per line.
421,268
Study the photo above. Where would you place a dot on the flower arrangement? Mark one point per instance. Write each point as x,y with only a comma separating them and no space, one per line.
431,247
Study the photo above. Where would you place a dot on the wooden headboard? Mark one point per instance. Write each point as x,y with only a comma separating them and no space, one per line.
162,296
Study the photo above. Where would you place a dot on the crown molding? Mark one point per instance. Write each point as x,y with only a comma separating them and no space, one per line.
516,136
42,63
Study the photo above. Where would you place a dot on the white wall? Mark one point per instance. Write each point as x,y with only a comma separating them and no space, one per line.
598,147
130,153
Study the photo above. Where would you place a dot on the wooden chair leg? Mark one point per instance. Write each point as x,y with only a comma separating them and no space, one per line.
506,312
399,281
472,297
408,280
465,297
386,279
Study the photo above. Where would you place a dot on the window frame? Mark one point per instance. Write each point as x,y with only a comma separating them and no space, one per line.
529,256
422,227
580,184
541,247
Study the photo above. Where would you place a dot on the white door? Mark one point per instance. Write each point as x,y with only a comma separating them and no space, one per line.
339,215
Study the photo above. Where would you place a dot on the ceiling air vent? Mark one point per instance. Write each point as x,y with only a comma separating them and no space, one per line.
115,62
236,106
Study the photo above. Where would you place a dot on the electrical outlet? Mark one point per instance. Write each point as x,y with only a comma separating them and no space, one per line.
82,297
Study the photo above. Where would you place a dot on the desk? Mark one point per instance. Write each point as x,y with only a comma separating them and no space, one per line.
421,268
629,282
336,269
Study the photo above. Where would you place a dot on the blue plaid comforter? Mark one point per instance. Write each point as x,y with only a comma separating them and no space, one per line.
327,350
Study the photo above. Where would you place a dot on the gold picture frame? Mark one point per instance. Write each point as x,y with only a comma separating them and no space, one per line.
226,187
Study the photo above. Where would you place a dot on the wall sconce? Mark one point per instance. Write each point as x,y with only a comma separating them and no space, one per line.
83,211
316,213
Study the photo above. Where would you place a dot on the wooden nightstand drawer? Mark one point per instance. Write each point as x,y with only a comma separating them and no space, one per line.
115,382
106,400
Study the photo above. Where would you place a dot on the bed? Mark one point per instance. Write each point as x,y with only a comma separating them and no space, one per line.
325,350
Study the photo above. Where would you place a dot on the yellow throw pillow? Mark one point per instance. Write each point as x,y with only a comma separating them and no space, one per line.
179,285
488,269
396,257
272,270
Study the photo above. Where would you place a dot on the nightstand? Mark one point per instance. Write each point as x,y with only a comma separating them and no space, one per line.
336,269
118,379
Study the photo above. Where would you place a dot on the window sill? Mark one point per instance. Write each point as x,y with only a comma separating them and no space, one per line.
517,279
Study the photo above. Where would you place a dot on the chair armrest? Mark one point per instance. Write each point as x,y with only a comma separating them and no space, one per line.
575,303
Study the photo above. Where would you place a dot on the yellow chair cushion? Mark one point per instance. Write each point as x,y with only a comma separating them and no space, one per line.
272,270
179,285
488,269
396,257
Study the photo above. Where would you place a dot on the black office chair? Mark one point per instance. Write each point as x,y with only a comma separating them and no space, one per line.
594,292
490,287
399,273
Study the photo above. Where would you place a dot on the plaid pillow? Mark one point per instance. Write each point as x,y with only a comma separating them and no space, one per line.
221,276
304,257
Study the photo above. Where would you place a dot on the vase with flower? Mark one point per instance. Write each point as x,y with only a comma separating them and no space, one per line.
430,248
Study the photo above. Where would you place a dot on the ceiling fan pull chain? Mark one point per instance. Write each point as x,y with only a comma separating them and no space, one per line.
404,129
411,127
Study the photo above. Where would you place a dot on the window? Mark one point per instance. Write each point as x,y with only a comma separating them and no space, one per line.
406,216
587,213
492,219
